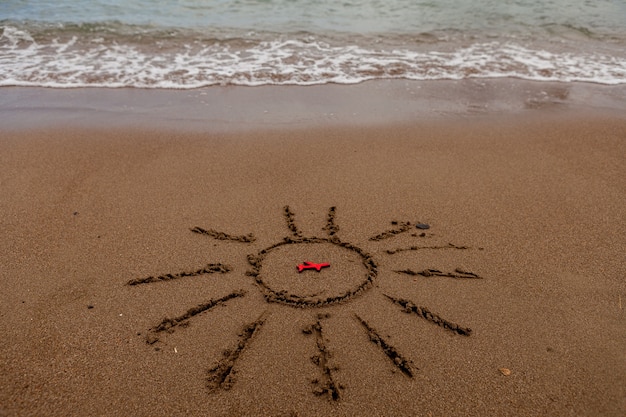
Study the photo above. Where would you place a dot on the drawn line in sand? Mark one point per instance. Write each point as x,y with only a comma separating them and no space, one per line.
331,227
222,375
403,364
291,223
401,227
208,269
457,274
169,324
426,314
416,248
249,238
327,385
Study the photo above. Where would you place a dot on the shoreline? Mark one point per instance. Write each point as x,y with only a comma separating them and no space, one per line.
237,108
525,199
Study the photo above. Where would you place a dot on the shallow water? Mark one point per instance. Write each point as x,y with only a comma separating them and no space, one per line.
195,43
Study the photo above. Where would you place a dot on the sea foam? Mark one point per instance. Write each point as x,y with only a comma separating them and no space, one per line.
101,59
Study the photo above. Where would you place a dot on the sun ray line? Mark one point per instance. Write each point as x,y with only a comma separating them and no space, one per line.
405,365
331,226
415,248
222,374
291,223
249,238
457,274
402,227
208,269
322,361
426,314
169,324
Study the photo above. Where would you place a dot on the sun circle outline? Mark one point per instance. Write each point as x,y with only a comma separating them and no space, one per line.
293,300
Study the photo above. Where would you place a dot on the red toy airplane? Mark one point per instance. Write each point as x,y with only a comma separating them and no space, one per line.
311,265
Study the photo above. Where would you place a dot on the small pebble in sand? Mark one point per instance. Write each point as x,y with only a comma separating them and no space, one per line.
505,371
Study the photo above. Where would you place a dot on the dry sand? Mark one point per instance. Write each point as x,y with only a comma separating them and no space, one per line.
527,228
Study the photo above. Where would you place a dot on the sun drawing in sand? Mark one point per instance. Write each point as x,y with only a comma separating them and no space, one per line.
282,280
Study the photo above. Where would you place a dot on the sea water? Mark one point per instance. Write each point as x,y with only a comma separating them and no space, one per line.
185,44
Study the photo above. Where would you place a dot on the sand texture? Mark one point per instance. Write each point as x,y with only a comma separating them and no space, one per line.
477,268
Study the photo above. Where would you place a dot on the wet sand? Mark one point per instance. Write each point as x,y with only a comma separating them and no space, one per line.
150,264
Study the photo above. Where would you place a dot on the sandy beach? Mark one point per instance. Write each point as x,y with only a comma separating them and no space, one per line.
475,236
